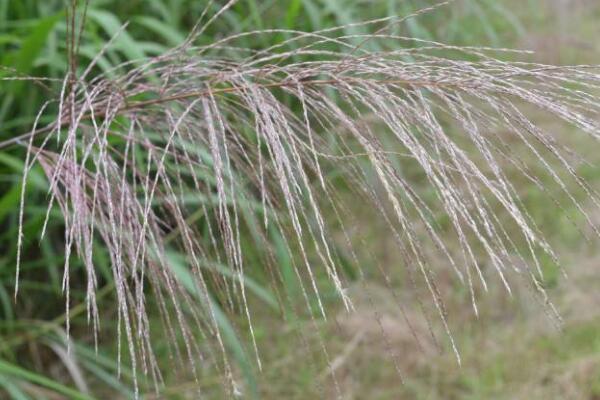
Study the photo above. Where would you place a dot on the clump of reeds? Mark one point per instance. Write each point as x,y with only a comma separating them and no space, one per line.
231,135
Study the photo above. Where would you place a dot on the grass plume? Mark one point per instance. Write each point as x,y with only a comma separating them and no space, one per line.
244,140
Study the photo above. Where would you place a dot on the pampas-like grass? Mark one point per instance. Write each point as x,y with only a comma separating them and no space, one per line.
235,136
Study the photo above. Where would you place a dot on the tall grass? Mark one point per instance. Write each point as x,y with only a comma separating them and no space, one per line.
212,150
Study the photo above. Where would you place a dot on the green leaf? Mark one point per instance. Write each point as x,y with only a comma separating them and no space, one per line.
15,163
23,59
108,378
112,26
249,283
13,390
10,201
12,370
292,13
290,279
230,338
169,34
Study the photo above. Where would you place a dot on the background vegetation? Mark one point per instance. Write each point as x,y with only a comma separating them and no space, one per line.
510,351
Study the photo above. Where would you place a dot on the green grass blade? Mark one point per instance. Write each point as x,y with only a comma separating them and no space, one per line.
9,369
112,26
23,60
13,390
230,338
169,34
